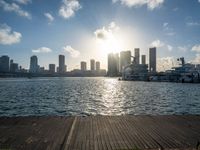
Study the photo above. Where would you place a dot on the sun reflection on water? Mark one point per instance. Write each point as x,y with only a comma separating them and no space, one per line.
110,97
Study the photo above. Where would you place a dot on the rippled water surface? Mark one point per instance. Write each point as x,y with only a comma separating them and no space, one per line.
93,96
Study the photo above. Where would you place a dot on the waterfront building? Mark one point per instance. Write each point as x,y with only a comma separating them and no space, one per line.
34,67
41,69
152,59
52,68
97,66
125,59
62,67
136,72
11,61
65,68
143,59
137,55
113,64
13,66
92,64
4,63
83,66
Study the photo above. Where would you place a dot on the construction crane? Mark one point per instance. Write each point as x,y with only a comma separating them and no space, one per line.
134,61
182,60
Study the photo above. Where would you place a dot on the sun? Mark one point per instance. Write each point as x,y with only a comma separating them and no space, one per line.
112,44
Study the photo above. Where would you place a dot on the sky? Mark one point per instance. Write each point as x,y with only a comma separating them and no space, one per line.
90,29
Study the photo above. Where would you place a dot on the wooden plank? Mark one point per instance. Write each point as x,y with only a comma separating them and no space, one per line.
141,137
100,132
34,132
69,138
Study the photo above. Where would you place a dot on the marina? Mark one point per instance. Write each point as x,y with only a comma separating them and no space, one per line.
184,73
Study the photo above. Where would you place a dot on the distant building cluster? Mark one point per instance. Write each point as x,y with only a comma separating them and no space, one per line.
62,68
7,65
121,64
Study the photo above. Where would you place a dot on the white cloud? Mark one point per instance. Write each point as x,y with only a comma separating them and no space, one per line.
73,53
171,33
196,48
151,4
106,32
49,17
165,24
169,47
157,43
13,7
183,48
196,60
68,8
192,23
42,50
199,1
176,9
168,30
23,1
165,63
7,36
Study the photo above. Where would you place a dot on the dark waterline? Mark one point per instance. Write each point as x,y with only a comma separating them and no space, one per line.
95,96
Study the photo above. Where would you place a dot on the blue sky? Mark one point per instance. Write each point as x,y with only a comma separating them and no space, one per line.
85,29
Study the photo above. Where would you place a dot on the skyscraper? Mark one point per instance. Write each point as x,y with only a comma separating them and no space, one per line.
137,55
52,68
83,66
143,59
113,64
34,67
62,67
4,64
97,65
92,64
152,59
13,66
125,59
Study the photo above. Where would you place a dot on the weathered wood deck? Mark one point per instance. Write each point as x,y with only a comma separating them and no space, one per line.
100,132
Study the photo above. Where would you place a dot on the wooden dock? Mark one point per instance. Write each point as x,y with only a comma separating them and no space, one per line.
100,133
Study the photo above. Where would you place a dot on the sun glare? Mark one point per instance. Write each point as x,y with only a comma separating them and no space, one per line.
109,39
111,44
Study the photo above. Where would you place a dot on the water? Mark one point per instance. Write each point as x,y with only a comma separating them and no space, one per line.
95,96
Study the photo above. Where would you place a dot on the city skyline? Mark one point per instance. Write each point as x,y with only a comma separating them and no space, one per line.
7,65
49,30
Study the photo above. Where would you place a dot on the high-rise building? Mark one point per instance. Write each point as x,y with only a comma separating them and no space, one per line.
125,59
97,65
11,61
65,69
52,68
113,64
13,66
92,64
143,59
62,67
152,59
137,55
4,64
34,67
83,66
